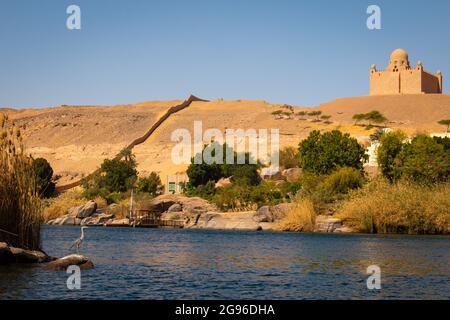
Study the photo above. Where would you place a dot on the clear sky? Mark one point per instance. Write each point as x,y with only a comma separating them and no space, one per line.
297,52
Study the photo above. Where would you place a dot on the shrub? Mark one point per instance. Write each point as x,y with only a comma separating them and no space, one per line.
301,217
113,176
233,197
289,158
402,207
391,143
59,206
267,193
323,153
372,117
45,187
342,181
151,184
201,172
445,122
20,206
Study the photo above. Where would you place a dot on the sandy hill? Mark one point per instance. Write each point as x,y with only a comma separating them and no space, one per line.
76,139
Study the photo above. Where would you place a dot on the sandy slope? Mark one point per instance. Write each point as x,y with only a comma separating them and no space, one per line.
77,139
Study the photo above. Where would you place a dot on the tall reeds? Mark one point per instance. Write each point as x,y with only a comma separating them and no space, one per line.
402,207
20,206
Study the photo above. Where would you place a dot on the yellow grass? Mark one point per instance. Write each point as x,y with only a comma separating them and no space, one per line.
300,218
59,206
381,207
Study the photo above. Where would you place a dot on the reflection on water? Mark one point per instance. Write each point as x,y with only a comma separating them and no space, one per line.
198,264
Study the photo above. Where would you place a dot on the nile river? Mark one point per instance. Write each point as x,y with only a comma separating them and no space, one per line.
200,264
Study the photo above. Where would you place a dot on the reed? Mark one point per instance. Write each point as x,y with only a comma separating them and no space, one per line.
20,205
301,217
402,207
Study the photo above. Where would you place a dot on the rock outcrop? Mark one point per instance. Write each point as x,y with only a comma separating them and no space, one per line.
74,259
10,255
272,213
327,224
76,215
227,221
83,211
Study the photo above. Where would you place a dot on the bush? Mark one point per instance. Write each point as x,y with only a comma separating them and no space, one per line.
391,144
301,217
289,158
233,197
423,160
57,207
113,176
323,153
20,206
342,181
202,172
45,187
403,207
151,184
267,193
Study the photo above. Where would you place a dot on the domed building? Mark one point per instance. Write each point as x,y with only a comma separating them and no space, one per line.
400,78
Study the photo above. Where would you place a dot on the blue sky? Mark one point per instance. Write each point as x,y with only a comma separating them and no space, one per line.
297,52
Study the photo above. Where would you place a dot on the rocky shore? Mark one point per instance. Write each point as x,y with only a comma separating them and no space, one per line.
194,213
10,255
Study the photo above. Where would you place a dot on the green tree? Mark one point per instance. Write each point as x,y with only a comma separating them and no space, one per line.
423,160
315,114
445,141
375,117
391,144
277,112
151,184
301,114
45,187
200,172
113,176
358,117
445,122
323,153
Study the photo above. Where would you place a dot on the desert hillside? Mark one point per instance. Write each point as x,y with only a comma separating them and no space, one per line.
76,139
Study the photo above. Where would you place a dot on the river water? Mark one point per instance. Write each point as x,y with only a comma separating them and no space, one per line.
202,264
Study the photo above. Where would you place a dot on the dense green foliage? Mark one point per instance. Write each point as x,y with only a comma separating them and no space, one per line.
323,153
45,187
424,159
151,184
391,143
201,173
114,176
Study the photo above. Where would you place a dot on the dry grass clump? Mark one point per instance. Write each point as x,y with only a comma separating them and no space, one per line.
60,205
20,206
404,207
301,217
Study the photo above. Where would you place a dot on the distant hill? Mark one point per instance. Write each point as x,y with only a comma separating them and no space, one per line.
76,139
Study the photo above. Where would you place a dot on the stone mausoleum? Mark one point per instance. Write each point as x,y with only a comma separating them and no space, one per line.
400,78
